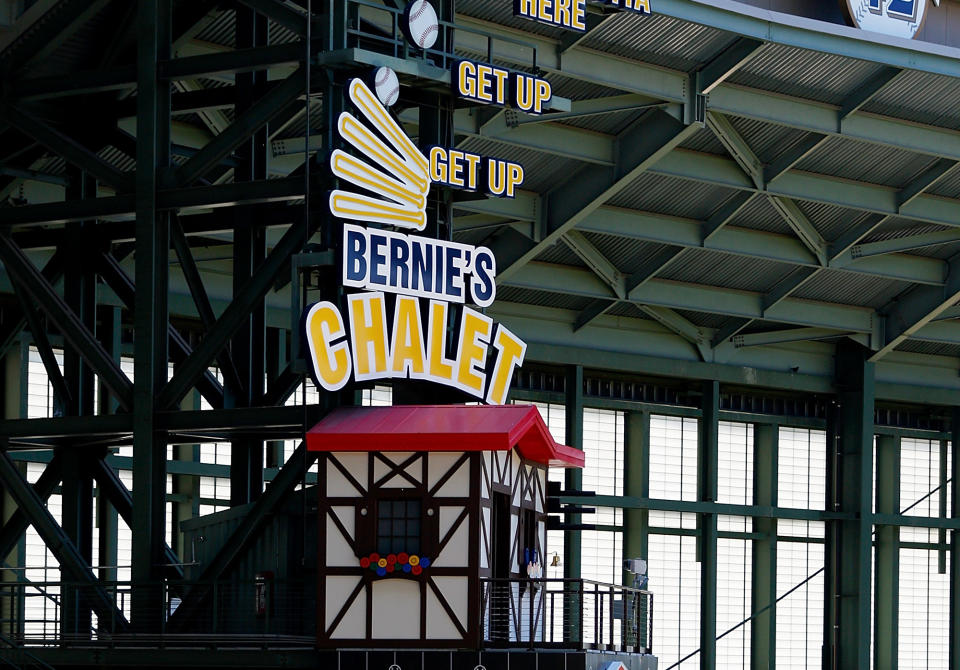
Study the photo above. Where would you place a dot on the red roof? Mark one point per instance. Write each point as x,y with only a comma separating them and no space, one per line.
442,428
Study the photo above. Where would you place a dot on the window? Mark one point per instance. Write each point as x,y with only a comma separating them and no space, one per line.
398,527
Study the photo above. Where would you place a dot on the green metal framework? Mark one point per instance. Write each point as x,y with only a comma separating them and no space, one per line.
162,167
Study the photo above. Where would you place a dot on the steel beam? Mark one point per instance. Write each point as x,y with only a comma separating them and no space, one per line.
232,318
202,301
597,262
682,327
901,244
183,199
917,307
737,147
886,582
867,91
283,14
849,543
73,330
933,175
120,283
719,69
61,392
954,623
793,155
55,27
291,474
723,215
118,495
247,123
64,146
801,225
763,629
17,523
699,298
109,617
707,483
587,189
154,31
785,335
573,481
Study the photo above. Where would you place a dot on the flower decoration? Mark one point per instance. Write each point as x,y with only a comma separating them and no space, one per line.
401,563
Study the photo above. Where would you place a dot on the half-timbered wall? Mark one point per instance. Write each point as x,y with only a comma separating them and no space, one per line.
439,605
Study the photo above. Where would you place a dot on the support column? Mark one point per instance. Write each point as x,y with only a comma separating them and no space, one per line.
707,457
79,289
185,487
636,483
249,250
573,482
150,325
14,382
107,517
955,542
847,578
887,579
763,630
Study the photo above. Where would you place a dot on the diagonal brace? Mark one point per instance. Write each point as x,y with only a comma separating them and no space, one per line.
121,500
255,117
236,313
18,522
61,546
64,146
284,483
70,326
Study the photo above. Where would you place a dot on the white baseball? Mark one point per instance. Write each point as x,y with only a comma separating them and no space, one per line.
423,25
386,85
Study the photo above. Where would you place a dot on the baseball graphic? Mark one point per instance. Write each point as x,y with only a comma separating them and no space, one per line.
386,86
898,18
421,26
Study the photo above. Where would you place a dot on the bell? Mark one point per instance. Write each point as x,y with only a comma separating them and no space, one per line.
555,561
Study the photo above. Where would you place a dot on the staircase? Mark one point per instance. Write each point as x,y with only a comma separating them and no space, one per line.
15,657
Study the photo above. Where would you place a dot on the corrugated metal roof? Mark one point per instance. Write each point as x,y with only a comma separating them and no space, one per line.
830,221
627,309
948,187
578,89
759,214
629,256
668,195
897,227
560,254
848,288
805,74
702,319
542,299
716,268
920,97
767,140
874,163
930,348
659,40
705,141
542,171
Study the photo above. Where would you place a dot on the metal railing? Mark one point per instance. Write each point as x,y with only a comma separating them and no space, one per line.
247,613
565,613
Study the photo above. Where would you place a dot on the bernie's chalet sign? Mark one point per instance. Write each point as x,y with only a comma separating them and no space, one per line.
424,276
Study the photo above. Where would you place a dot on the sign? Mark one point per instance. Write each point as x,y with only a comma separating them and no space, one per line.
570,14
396,325
494,85
898,18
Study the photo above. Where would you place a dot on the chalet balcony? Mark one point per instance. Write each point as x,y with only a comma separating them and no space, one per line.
565,614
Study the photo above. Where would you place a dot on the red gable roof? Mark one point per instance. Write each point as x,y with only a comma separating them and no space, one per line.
442,428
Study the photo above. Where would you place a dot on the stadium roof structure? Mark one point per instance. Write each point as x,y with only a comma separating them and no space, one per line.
729,187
